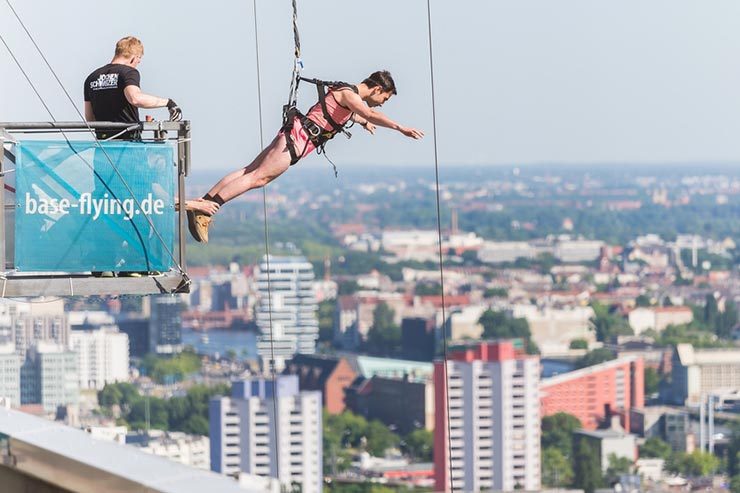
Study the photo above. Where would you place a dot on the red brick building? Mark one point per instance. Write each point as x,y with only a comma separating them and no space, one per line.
327,374
615,386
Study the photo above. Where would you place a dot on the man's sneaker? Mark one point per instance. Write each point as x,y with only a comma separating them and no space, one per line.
202,223
106,273
132,274
192,227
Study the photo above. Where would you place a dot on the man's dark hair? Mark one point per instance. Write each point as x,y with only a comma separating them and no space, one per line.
382,79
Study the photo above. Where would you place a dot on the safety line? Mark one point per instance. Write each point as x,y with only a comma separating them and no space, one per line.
439,238
273,373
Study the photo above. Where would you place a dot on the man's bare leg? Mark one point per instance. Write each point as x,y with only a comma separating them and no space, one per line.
272,162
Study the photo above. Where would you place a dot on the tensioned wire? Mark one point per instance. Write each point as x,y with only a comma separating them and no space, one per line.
439,244
273,373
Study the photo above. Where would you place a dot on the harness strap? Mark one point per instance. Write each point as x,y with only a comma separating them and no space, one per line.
316,135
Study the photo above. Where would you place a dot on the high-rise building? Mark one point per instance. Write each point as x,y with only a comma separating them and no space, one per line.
102,356
28,323
137,330
268,428
10,374
165,324
286,313
49,377
487,419
593,393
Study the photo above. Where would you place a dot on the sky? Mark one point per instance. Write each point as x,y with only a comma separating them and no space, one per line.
516,81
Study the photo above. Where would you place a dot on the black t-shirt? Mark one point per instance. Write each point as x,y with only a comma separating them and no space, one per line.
104,89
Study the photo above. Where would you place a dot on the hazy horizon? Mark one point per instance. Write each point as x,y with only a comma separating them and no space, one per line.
578,82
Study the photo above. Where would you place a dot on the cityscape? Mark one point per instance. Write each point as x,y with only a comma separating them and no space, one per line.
580,333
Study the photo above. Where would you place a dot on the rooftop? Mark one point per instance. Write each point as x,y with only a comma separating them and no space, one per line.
687,355
590,370
71,459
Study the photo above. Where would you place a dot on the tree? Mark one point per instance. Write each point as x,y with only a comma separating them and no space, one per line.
499,325
696,463
419,445
111,395
579,344
651,380
617,467
428,289
607,324
586,470
557,432
642,300
595,357
733,452
326,319
196,425
735,484
158,418
556,469
380,438
655,448
495,292
726,321
711,310
347,287
384,337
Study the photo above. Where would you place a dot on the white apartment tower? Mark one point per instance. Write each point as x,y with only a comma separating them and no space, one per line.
286,313
102,356
492,439
268,428
10,374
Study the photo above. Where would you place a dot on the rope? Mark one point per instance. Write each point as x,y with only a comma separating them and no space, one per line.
439,238
97,142
273,373
297,62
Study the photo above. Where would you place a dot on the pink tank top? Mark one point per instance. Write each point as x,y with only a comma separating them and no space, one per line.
337,112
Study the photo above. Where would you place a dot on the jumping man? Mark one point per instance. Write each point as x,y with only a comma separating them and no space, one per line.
299,137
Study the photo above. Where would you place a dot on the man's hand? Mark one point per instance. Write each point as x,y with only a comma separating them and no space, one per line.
411,132
369,127
175,111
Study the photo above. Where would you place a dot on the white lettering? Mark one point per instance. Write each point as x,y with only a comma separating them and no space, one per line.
31,204
95,207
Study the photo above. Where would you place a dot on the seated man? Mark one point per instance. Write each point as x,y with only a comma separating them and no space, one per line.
298,138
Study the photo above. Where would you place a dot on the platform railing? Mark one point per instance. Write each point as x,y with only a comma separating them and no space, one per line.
14,283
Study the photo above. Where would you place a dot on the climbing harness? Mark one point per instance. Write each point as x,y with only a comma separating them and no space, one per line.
317,135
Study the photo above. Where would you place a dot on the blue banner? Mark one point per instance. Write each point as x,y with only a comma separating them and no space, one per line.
82,206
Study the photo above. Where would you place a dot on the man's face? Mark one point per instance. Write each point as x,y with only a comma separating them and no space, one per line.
378,97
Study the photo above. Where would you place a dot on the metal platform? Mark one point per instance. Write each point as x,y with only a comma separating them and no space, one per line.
22,285
32,284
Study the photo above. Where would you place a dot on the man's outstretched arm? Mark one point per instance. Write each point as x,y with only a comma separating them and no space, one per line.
354,103
138,98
